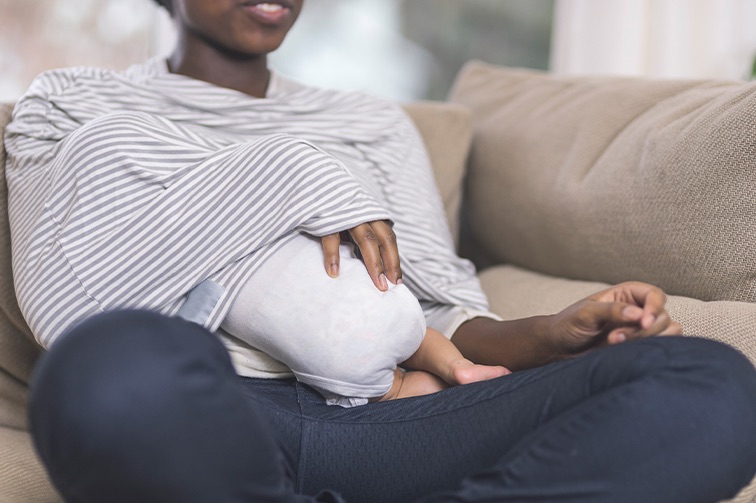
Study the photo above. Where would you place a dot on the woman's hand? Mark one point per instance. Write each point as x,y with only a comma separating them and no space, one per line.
623,312
377,244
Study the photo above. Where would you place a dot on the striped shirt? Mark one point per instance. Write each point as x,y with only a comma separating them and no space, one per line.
134,189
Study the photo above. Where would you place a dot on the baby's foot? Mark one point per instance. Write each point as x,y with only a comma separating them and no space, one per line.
465,372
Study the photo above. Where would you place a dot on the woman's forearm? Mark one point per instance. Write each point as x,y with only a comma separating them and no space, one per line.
516,344
627,311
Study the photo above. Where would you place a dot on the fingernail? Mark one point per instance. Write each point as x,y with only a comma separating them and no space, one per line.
333,271
632,312
383,281
399,281
621,337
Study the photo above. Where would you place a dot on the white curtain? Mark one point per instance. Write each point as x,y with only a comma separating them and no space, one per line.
163,33
659,38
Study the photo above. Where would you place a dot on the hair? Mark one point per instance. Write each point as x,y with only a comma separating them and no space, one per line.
166,4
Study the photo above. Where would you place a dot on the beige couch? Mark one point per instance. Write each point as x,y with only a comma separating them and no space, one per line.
570,184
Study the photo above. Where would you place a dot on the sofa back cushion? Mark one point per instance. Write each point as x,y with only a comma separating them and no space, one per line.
18,351
446,132
609,179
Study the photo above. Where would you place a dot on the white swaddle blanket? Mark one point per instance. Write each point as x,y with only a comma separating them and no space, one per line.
342,336
134,189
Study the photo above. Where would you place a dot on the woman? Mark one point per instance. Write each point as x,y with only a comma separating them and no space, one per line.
130,188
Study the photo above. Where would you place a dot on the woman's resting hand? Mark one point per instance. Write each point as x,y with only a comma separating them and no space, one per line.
623,312
377,244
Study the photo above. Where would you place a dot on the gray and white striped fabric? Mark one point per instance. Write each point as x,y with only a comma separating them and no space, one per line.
129,189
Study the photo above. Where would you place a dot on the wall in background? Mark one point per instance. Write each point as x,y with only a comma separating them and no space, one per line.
37,35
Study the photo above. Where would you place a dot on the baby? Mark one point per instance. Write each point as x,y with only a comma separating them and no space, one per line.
343,336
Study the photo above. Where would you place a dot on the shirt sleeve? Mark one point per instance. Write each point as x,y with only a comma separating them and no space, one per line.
447,319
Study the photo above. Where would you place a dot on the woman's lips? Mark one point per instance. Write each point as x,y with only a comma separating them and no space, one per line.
267,12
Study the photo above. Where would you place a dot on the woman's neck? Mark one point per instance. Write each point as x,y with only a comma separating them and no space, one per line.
249,75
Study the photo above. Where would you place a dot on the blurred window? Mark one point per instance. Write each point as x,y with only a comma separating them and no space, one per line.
411,49
401,49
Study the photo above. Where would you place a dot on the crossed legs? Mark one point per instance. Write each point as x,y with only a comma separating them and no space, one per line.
133,406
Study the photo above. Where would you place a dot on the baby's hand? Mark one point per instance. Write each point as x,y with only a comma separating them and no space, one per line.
464,371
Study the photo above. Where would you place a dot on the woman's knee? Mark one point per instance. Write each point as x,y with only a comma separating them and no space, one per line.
121,350
712,380
705,358
691,403
728,376
693,357
724,382
131,406
110,372
712,386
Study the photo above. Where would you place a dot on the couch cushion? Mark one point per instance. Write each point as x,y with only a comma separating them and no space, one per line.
610,179
22,476
516,293
446,131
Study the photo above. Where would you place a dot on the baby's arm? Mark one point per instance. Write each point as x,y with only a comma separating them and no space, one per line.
436,364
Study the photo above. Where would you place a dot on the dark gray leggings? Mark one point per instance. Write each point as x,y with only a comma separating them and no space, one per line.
133,406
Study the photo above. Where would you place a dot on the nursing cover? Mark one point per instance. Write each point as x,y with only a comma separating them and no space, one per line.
142,189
